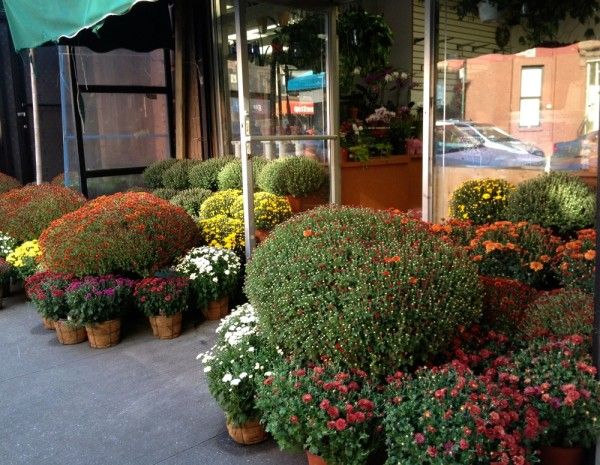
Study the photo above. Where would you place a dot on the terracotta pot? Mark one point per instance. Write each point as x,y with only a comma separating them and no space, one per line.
105,334
551,455
48,323
314,459
166,327
261,235
251,432
217,309
68,334
295,203
380,132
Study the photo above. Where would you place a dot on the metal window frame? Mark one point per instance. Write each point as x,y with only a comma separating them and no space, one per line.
77,89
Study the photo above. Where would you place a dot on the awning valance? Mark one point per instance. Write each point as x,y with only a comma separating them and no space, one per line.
36,22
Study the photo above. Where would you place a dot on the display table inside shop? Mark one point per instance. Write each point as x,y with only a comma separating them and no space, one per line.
383,182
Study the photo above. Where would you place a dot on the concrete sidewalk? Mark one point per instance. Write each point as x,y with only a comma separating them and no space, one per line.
143,402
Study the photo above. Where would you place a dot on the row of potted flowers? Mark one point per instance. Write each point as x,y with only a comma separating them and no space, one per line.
492,400
92,307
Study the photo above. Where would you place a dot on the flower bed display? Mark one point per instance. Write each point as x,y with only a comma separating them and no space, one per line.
134,233
28,211
364,288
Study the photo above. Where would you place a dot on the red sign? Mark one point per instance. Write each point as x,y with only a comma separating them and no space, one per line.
302,108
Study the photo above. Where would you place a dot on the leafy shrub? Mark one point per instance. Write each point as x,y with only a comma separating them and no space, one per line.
365,288
481,200
123,233
191,200
205,175
520,251
556,200
297,176
153,175
8,183
577,261
165,193
269,210
95,299
331,413
230,177
24,259
47,292
505,303
235,364
28,211
224,232
560,313
220,203
7,244
448,415
162,296
177,176
558,380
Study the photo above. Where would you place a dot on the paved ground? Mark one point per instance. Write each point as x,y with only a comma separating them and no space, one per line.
143,402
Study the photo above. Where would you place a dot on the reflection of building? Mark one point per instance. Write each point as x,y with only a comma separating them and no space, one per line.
541,95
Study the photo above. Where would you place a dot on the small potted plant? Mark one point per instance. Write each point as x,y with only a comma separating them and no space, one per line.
213,275
559,382
47,291
163,301
335,416
98,302
5,272
295,178
233,366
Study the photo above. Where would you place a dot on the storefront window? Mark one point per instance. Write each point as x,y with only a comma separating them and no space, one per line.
509,103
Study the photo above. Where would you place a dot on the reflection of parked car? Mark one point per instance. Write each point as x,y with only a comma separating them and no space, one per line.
474,144
576,154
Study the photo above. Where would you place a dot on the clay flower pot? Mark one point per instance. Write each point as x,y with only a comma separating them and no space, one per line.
551,455
68,334
314,459
261,235
105,334
48,323
217,309
166,327
251,432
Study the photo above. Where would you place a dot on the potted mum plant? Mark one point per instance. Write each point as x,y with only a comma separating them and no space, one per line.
98,302
24,259
333,415
163,301
213,275
559,382
233,366
47,291
269,211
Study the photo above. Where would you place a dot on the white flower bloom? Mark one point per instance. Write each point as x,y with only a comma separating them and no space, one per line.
268,373
215,280
251,349
356,71
243,375
388,78
235,382
207,369
404,76
227,378
257,366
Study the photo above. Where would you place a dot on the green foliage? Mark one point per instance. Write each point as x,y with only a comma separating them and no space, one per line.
297,176
559,313
481,200
220,203
236,363
177,176
47,292
331,413
162,296
230,177
8,183
191,200
165,193
557,200
153,175
205,175
368,289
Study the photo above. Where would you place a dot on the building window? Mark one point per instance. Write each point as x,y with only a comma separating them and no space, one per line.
531,96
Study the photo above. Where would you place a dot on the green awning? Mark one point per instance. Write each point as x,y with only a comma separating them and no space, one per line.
36,22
